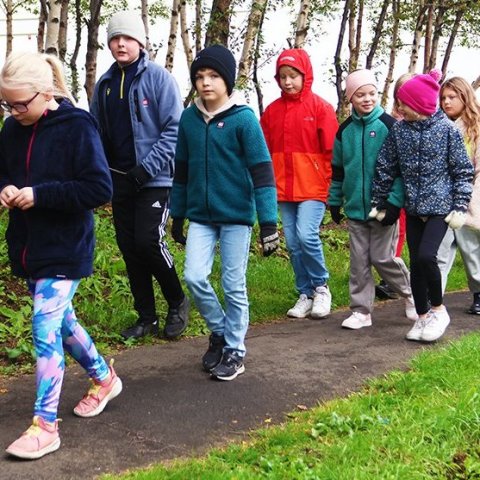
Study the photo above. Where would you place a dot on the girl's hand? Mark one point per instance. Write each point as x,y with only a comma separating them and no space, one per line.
8,196
24,200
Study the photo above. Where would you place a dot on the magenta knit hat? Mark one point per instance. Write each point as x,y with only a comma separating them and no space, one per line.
421,92
358,79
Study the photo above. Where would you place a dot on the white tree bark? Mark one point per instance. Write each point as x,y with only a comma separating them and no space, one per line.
172,37
53,27
302,24
248,51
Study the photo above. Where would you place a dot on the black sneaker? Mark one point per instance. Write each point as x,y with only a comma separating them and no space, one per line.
140,329
177,320
229,367
214,353
384,292
475,307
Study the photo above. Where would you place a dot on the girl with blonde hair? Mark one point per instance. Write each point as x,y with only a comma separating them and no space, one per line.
53,173
459,102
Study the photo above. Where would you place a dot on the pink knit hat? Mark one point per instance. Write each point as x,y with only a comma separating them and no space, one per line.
358,79
421,92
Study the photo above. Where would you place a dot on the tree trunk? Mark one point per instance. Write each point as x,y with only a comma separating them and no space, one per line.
42,21
302,25
337,61
451,39
75,87
198,26
258,87
417,36
184,32
144,13
53,27
172,37
62,34
393,51
218,28
9,28
246,60
92,47
377,34
428,35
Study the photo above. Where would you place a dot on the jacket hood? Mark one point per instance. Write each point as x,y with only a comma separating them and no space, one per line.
65,112
298,59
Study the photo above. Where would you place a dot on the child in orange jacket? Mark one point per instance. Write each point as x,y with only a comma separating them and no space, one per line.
300,130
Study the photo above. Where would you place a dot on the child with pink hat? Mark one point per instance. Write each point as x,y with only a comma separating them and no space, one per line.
427,151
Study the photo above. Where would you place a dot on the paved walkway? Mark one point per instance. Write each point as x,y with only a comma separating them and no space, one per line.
170,407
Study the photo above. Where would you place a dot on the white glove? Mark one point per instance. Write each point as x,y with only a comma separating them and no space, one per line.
456,219
377,214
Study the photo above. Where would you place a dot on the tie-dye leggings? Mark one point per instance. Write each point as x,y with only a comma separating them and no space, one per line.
55,328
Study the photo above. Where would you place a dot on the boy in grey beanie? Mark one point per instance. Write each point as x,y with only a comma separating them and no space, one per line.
137,104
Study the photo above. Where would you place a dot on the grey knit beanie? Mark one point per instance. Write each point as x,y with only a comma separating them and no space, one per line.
129,24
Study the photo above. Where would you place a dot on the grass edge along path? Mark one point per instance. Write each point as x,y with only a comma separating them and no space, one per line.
422,423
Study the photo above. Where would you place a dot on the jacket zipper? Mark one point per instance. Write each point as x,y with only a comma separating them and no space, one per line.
27,182
206,171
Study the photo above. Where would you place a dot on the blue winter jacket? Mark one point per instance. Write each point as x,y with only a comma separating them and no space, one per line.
155,109
62,159
431,158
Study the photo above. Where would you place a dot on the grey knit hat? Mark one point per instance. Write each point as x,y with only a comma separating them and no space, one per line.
129,24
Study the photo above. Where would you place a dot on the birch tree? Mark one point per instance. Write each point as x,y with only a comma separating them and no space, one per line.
172,36
302,24
53,27
257,11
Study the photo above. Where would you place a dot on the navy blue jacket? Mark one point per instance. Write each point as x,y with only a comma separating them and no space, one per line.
61,157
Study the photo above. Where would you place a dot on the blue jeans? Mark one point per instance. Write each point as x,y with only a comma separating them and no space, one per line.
234,242
301,226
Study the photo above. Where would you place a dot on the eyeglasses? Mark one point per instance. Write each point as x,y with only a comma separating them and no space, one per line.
20,107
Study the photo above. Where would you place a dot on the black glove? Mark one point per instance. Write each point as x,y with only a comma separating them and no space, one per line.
177,231
138,175
391,214
269,239
336,214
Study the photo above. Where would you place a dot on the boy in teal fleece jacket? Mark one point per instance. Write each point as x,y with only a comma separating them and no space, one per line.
223,181
372,243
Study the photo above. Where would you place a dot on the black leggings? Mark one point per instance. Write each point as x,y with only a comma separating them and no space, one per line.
424,239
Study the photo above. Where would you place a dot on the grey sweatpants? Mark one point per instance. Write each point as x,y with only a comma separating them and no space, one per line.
467,241
373,245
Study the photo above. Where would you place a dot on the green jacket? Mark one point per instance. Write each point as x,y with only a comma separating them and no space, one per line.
355,151
223,170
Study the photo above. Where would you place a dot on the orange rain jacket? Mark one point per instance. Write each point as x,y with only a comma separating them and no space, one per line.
300,131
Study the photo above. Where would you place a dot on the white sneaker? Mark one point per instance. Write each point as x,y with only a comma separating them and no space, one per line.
435,325
302,308
322,302
357,320
410,310
415,333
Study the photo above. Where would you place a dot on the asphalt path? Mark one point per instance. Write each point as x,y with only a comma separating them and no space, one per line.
170,408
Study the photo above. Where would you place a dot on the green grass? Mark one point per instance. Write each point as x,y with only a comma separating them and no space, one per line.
104,304
419,424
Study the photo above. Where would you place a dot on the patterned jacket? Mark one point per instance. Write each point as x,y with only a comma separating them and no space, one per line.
431,158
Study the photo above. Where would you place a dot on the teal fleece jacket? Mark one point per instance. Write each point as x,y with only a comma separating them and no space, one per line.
355,152
223,170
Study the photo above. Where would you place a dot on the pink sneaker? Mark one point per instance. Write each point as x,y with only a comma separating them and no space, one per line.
98,395
41,438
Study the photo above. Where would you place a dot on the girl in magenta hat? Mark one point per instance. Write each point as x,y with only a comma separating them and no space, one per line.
427,151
